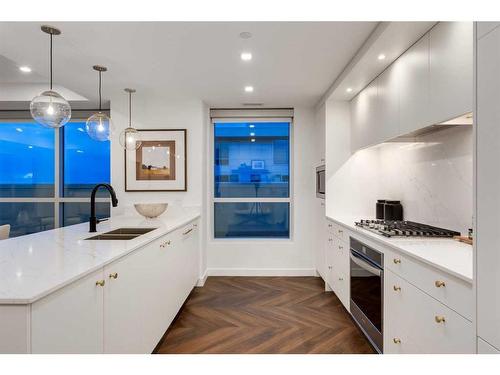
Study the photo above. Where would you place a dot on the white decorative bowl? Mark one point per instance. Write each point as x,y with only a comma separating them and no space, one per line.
150,210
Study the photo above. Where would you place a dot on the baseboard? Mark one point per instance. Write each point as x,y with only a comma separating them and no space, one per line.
202,279
261,272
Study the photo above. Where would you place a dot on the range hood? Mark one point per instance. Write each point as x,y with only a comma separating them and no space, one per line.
463,120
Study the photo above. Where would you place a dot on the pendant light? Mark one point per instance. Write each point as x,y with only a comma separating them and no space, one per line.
50,109
99,126
130,139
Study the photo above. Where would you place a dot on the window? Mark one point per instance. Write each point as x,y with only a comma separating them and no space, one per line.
251,178
33,159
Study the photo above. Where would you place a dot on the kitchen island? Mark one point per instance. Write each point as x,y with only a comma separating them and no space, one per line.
62,293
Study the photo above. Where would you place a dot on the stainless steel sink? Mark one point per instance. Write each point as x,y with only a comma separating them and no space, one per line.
123,234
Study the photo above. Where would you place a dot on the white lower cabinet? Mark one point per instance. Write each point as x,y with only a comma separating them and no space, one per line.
484,348
70,320
337,259
414,322
125,307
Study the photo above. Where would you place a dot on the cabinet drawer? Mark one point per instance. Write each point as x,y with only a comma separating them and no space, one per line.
336,230
451,291
414,322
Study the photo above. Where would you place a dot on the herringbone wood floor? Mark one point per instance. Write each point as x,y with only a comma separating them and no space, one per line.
263,315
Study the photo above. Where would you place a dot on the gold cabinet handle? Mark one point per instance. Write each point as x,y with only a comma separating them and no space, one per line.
340,231
113,275
396,288
165,244
330,239
341,247
329,225
100,283
396,261
188,231
341,279
329,267
439,319
439,284
396,340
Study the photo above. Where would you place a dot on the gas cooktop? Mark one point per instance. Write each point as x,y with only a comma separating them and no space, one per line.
390,228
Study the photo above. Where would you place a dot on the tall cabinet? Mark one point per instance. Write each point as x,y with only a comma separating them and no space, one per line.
488,186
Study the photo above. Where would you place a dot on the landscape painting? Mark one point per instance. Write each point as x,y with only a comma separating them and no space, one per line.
159,163
155,160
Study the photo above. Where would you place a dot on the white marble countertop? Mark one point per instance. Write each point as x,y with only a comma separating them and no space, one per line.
448,255
36,265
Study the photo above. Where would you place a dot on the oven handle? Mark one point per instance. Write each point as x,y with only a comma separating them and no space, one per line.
365,265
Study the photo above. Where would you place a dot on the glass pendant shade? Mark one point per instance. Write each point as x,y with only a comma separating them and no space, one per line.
50,109
99,127
130,139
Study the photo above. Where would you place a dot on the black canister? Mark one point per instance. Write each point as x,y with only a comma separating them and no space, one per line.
393,210
379,211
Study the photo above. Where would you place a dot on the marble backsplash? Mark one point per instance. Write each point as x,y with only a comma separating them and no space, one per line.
431,176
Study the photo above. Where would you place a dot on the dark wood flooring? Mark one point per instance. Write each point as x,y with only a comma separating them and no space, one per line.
263,315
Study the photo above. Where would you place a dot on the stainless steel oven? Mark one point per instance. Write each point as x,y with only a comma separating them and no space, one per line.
320,181
367,290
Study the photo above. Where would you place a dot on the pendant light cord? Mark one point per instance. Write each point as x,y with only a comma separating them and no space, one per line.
100,94
51,62
130,109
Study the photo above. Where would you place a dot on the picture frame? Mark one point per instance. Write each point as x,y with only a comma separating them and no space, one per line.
160,162
258,164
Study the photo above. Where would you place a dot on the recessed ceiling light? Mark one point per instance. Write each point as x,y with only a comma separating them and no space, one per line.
245,35
381,56
349,89
30,146
246,56
252,140
252,125
248,88
25,69
252,134
19,130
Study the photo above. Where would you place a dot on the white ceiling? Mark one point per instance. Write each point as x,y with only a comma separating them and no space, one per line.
294,63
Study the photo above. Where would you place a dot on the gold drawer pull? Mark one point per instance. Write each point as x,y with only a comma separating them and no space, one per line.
341,279
100,283
341,247
113,275
439,319
188,231
396,261
330,239
439,284
329,225
396,340
165,244
396,288
329,267
340,231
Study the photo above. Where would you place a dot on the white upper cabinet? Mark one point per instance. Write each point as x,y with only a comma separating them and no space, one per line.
413,73
451,70
364,118
430,83
387,105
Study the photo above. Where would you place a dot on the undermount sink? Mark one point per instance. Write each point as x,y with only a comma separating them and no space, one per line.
123,234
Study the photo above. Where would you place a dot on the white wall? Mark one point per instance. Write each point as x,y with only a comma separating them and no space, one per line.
432,176
157,112
278,257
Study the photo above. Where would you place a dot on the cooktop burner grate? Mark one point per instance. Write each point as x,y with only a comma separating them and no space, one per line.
389,228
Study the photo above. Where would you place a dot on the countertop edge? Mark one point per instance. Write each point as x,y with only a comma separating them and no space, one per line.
381,242
28,301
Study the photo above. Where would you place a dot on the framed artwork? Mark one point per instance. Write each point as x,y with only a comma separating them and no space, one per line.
258,164
159,164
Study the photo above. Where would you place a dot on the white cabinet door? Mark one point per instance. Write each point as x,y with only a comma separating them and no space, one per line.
364,117
320,253
451,70
488,188
340,271
124,303
414,322
70,320
413,72
484,348
330,259
388,105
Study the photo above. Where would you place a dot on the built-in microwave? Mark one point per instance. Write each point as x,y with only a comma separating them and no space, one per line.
320,181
